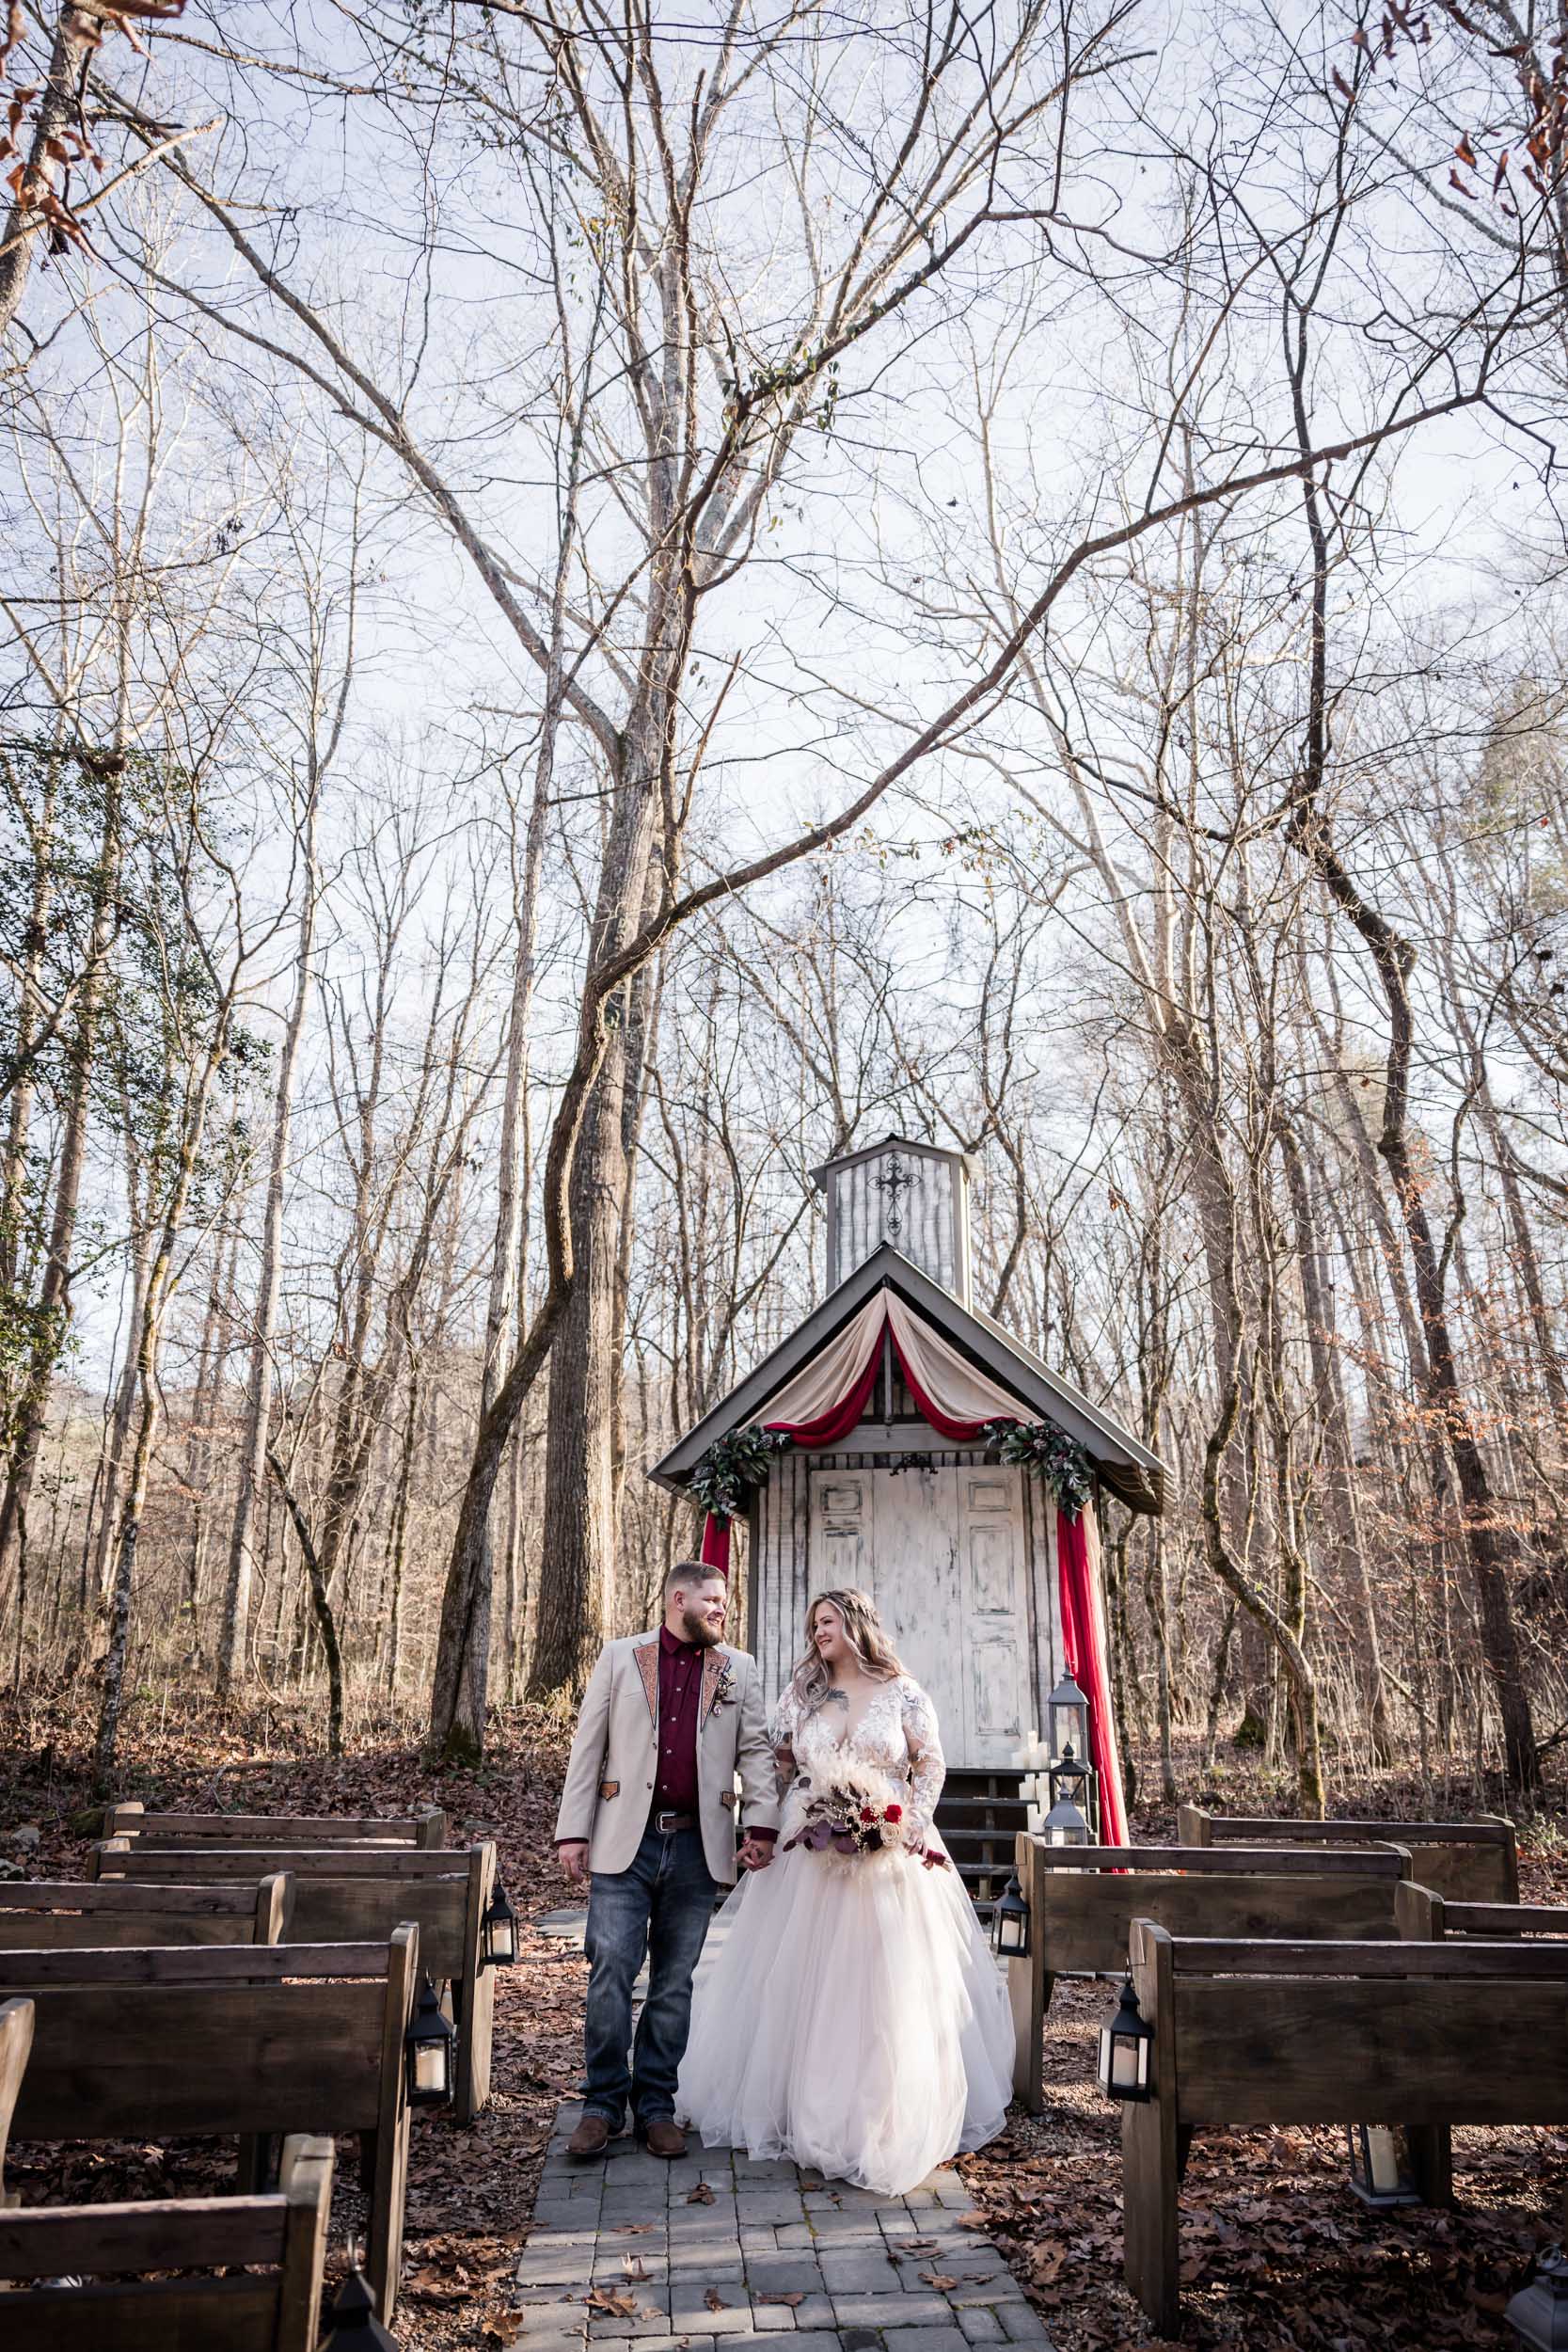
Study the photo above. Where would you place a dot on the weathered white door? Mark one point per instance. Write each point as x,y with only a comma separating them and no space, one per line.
996,1613
917,1584
941,1553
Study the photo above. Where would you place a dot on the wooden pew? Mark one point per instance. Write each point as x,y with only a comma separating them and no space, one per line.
1425,1919
1473,1861
16,2040
1428,2035
240,2040
1082,1900
356,1895
68,1914
280,2312
425,1829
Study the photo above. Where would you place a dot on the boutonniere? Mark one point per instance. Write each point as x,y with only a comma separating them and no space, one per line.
724,1690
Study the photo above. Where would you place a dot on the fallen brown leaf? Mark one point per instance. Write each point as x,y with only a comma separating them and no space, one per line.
605,2299
793,2300
939,2280
701,2195
715,2301
634,2265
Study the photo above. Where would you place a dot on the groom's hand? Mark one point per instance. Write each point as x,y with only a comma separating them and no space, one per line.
574,1859
754,1853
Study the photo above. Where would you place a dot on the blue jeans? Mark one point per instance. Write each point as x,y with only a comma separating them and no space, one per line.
660,1907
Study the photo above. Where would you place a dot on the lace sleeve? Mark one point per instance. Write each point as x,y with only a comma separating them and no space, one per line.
927,1765
781,1736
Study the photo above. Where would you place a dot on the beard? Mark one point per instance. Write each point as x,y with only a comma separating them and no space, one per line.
698,1630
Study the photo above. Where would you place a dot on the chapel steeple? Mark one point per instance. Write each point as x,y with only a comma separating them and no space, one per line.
914,1195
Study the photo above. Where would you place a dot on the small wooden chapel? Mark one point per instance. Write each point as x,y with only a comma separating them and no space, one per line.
901,1441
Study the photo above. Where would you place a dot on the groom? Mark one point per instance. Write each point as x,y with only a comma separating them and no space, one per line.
647,1817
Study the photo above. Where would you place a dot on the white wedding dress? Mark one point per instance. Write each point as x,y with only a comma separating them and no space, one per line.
853,2017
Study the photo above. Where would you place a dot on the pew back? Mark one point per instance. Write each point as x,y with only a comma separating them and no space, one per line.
1427,2034
276,2312
1426,1918
359,1895
159,2042
1474,1861
1082,1901
57,1915
423,1830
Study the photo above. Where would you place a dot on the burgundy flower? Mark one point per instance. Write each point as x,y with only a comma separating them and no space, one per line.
893,1813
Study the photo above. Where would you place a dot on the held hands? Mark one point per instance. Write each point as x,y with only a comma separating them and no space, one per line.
574,1859
754,1853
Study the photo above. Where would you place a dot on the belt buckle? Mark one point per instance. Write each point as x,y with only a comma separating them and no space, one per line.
664,1822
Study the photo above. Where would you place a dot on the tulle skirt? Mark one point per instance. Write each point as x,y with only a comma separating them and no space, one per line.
853,2019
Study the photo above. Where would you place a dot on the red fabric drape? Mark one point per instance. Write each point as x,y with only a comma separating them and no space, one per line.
716,1544
1086,1661
962,1432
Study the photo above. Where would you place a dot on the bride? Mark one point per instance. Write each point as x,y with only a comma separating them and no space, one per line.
854,2018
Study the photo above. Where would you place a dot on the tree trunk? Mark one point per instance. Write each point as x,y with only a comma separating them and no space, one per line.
258,1406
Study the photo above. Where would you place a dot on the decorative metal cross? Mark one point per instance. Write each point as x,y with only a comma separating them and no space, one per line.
893,1179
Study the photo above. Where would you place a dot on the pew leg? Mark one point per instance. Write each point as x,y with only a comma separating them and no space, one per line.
1183,2149
475,2010
1431,2148
366,2160
1027,2000
388,2191
1150,2260
258,2162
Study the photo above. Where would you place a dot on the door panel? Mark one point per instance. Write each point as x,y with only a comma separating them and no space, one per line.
841,1513
917,1583
996,1640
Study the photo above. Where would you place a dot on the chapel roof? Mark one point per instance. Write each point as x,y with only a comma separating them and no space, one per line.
1125,1465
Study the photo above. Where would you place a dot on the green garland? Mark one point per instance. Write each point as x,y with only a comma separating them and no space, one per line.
734,1463
1050,1453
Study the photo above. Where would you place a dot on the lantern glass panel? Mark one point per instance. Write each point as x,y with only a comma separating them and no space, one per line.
1379,2165
1067,1718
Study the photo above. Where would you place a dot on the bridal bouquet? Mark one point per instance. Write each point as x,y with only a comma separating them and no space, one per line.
850,1817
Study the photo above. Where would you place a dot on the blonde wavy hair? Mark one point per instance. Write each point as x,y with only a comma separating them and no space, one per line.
862,1628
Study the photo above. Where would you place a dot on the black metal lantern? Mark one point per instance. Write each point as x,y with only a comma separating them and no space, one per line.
499,1930
1379,2165
429,2047
1009,1923
1064,1825
355,2324
1538,2314
1067,1713
1127,2051
1072,1778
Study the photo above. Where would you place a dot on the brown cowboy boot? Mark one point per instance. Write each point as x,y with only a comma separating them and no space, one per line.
663,2137
590,2138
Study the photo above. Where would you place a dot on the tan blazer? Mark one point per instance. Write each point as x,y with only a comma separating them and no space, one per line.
609,1777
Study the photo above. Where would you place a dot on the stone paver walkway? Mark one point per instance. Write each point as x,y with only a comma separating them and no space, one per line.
872,2274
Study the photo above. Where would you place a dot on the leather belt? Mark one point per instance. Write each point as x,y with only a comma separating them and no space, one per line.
667,1823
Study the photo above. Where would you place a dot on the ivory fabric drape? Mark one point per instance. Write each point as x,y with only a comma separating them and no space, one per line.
823,1402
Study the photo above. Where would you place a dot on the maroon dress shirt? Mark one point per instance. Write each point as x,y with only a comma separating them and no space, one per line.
680,1696
680,1693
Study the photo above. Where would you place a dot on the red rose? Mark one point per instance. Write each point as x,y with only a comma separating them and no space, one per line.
867,1813
893,1813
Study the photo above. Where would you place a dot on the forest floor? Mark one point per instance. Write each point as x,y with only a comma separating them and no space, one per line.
1278,2256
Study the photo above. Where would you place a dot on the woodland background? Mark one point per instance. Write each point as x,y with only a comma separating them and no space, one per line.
597,606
